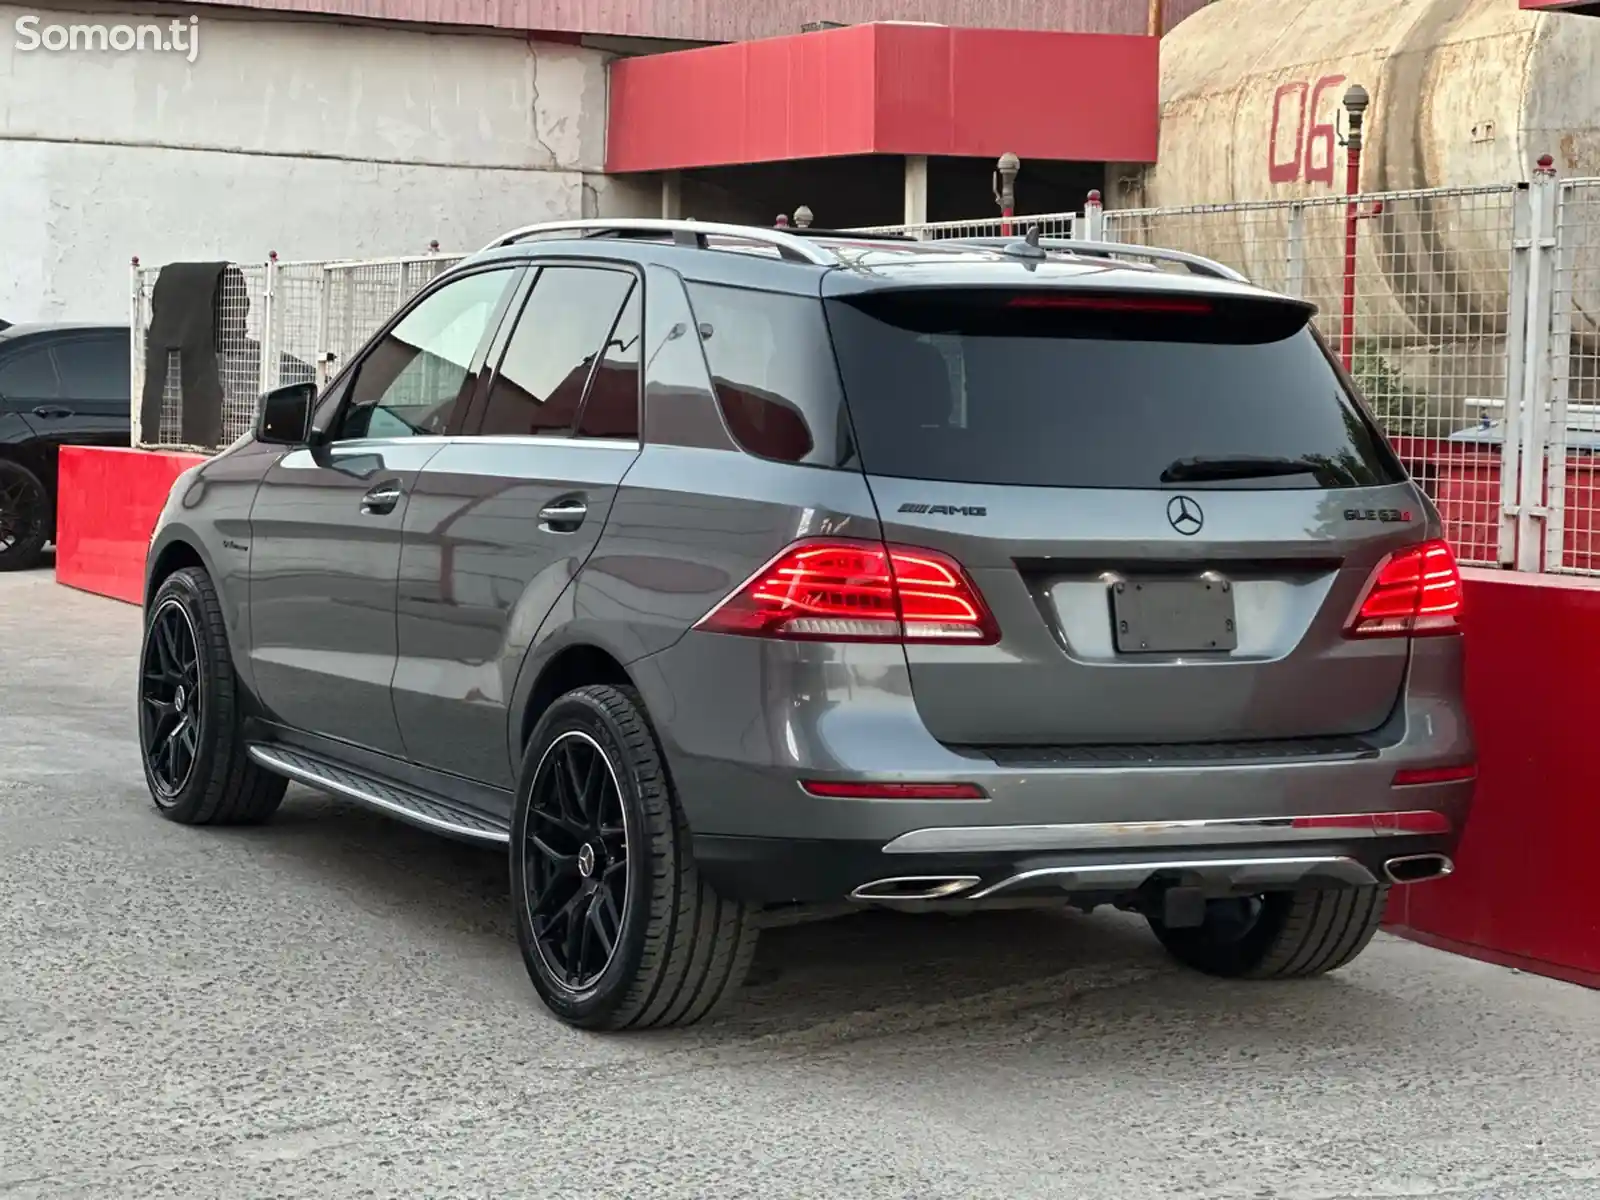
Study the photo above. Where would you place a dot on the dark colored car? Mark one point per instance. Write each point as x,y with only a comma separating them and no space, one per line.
718,570
60,385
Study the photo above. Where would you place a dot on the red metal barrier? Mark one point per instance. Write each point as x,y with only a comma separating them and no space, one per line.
106,508
1464,480
1521,894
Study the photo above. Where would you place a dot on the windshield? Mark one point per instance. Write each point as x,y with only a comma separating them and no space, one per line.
1009,389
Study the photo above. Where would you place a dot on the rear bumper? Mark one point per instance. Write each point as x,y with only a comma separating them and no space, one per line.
743,723
782,870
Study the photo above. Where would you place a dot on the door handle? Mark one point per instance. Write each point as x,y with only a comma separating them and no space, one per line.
51,412
564,515
381,499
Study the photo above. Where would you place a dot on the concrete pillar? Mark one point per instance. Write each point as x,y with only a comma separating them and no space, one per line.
916,208
671,195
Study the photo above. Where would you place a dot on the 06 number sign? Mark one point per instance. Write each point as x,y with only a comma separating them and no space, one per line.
1295,152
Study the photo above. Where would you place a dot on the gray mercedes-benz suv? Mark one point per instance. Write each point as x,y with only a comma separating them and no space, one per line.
716,570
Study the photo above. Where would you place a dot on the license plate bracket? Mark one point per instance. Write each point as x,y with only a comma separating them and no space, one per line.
1173,616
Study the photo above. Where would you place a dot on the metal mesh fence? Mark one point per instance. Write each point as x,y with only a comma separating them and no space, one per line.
241,330
360,296
1423,323
277,323
1051,225
1574,428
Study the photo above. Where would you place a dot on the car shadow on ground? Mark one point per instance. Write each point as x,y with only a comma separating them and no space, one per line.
866,975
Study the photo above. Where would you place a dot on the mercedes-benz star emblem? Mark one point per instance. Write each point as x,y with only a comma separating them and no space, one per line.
1185,516
586,860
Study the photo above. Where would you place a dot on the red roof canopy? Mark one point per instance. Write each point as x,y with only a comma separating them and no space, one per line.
888,89
1585,7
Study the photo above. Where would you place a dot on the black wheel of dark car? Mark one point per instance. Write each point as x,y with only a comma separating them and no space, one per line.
617,929
195,760
26,517
1279,935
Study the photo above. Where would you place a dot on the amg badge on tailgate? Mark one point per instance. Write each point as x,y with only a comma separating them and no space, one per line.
947,510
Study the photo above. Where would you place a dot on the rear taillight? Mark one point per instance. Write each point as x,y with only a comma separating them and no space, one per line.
1413,593
847,591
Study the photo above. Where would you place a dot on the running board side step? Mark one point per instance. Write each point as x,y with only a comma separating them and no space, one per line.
425,812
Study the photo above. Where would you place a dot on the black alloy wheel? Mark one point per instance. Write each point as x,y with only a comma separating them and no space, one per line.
24,517
170,708
616,927
575,861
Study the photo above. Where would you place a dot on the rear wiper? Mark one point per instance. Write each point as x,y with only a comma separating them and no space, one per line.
1201,469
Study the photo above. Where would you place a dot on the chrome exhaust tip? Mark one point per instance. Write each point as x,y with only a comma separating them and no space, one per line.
915,887
1417,868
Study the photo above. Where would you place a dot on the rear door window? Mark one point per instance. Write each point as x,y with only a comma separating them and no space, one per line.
29,375
564,327
95,369
1051,390
611,409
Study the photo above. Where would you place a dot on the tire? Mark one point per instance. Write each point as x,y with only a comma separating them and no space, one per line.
27,517
677,950
219,784
1281,935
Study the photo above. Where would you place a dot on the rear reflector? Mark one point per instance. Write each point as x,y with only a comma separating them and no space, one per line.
849,591
1415,592
1130,304
893,791
1388,822
1419,776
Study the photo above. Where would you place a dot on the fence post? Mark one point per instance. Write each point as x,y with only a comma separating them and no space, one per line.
324,307
1563,290
1513,416
1531,509
1093,222
269,340
136,353
1294,267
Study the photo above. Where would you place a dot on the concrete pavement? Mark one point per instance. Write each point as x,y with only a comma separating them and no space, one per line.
333,1006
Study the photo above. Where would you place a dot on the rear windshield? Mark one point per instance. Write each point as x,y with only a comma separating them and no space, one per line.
1052,390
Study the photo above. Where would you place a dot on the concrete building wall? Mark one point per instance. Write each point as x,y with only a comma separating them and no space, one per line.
312,138
742,20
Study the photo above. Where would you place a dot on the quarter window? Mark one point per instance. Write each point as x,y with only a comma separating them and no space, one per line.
774,374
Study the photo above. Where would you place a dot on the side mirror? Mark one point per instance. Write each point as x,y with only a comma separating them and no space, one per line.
285,415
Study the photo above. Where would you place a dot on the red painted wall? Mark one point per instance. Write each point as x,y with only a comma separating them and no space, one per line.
888,89
107,506
1522,893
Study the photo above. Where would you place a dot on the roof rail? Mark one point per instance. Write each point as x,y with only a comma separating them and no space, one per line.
852,235
1195,263
684,232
